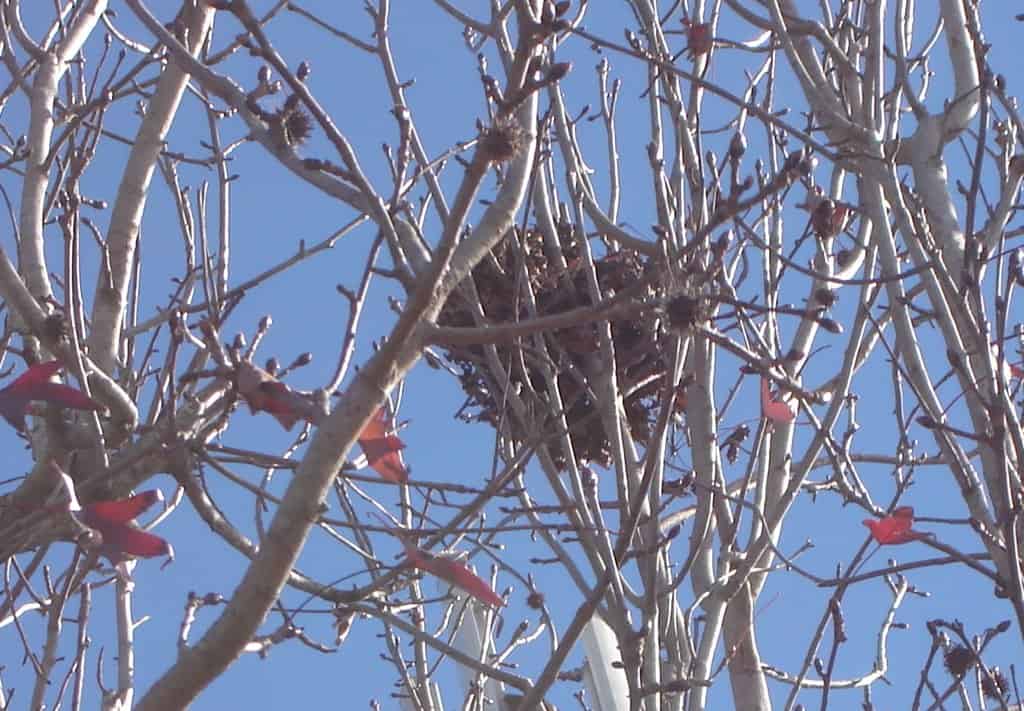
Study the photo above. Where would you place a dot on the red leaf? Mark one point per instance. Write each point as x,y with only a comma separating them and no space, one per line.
776,410
382,449
112,519
64,395
121,511
262,391
121,539
35,385
278,400
698,37
453,572
894,528
36,374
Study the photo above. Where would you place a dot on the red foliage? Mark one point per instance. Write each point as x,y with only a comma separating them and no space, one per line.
776,409
698,37
262,391
383,449
112,520
895,528
34,385
454,572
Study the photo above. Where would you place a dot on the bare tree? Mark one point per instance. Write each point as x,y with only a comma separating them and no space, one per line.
682,306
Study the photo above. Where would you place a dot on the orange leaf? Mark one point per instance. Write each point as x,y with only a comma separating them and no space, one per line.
383,449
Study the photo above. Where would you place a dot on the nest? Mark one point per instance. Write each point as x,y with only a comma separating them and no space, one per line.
639,342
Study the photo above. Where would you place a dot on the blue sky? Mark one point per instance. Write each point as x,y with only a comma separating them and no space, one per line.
273,212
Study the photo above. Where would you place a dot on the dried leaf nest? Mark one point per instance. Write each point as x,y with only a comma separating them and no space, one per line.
574,352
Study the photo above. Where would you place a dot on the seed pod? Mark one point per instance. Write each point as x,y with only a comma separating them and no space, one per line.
958,660
995,685
683,311
501,141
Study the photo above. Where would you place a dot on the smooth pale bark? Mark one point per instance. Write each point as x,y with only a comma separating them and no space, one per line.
749,686
606,681
53,65
126,219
